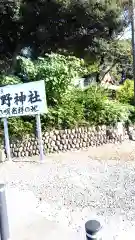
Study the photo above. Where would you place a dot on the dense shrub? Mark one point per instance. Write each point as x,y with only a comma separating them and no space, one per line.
20,127
69,113
95,97
77,108
8,80
99,110
57,70
69,107
126,92
115,112
131,119
90,107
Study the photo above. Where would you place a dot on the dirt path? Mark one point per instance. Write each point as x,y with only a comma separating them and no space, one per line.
124,151
74,187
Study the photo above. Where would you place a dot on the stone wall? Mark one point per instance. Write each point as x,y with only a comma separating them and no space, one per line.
66,140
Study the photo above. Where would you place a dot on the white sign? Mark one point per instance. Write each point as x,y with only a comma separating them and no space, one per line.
23,99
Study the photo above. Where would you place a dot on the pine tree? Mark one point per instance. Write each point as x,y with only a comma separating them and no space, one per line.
78,27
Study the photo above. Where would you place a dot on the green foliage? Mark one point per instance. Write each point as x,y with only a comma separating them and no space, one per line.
124,58
117,56
27,67
93,67
95,97
57,70
79,108
71,111
131,119
115,72
131,109
76,26
99,110
69,114
126,92
69,107
8,80
18,127
115,112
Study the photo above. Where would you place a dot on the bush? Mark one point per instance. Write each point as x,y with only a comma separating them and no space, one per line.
95,97
71,111
77,108
131,119
126,92
115,112
18,127
57,70
8,80
70,107
99,110
90,107
69,114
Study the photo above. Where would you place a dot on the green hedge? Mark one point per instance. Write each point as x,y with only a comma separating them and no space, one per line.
99,110
77,108
90,107
69,107
126,92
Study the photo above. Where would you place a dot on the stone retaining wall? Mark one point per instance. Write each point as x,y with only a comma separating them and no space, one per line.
65,140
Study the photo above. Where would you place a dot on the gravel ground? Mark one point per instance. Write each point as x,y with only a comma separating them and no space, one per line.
74,187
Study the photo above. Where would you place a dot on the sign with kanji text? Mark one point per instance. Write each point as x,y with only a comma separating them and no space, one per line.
23,99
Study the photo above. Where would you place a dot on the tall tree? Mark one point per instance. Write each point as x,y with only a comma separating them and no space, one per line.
81,27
